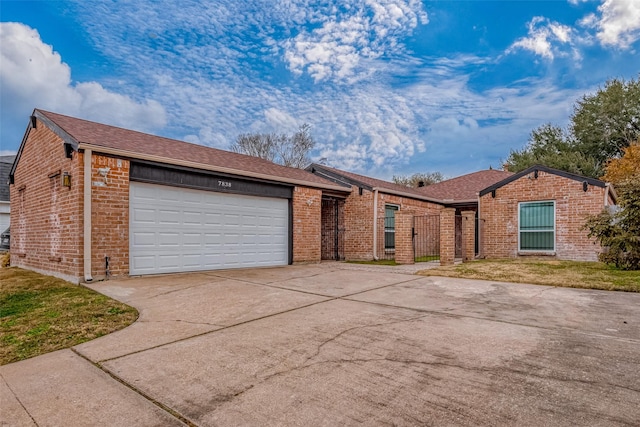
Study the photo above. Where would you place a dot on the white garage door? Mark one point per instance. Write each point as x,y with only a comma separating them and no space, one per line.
177,229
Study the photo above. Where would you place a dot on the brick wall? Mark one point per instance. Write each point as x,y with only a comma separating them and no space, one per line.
46,218
499,216
359,220
447,236
109,216
404,237
468,235
306,224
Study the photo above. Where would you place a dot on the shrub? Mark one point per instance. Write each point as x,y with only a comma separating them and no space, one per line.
619,232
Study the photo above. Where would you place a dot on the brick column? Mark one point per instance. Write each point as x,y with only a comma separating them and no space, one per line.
468,236
404,237
447,236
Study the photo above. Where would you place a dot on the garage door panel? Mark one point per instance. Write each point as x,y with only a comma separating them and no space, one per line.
176,229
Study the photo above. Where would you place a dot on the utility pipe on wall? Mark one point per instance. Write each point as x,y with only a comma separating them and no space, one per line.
87,216
375,224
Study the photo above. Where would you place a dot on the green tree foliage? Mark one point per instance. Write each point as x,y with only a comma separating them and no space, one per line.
609,121
619,232
415,179
602,125
288,150
549,145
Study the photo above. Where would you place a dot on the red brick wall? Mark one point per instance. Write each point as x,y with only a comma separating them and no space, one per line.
403,237
46,218
359,220
109,216
499,216
306,224
447,236
358,224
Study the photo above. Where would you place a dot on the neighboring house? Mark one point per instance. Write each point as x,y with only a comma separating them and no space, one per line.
91,200
5,206
366,215
541,211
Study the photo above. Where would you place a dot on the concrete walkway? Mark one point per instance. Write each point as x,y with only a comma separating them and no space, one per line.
333,344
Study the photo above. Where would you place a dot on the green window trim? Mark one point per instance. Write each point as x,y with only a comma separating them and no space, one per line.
537,226
390,227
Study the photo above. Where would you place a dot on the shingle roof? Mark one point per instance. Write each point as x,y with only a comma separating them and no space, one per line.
145,145
370,183
465,187
5,169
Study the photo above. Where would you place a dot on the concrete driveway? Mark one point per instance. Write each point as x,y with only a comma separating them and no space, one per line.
333,344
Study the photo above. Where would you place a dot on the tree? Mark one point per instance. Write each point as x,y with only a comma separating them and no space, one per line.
602,125
551,146
620,170
609,121
619,232
415,179
288,150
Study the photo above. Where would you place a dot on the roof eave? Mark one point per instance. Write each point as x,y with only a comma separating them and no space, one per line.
212,168
514,177
409,195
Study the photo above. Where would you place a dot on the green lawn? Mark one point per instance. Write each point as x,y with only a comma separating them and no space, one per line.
572,274
40,314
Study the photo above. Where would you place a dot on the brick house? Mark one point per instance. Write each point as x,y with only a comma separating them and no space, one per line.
367,215
90,200
541,211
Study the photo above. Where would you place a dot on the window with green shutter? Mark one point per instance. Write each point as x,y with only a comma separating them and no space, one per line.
536,226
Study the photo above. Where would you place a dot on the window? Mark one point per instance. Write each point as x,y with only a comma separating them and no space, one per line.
390,227
537,226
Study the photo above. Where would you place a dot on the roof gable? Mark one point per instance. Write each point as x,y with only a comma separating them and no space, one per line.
466,187
534,169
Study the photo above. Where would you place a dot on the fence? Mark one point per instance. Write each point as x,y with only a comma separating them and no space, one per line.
426,238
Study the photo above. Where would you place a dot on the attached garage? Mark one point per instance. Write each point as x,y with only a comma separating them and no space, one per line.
94,202
188,220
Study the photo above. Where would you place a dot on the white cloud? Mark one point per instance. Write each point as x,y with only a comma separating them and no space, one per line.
619,23
218,69
33,75
335,49
543,38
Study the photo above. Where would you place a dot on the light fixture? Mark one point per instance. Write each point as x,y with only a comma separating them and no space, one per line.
66,179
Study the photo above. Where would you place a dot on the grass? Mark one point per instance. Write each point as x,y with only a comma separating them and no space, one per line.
570,274
40,314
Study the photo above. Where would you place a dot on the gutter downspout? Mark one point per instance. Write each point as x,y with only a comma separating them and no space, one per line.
87,216
606,194
375,224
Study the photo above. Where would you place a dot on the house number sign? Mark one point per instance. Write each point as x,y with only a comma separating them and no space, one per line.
224,184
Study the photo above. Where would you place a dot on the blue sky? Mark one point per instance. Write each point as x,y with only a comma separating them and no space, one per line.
389,87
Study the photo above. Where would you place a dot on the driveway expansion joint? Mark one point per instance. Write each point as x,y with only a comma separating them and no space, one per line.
13,393
144,395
